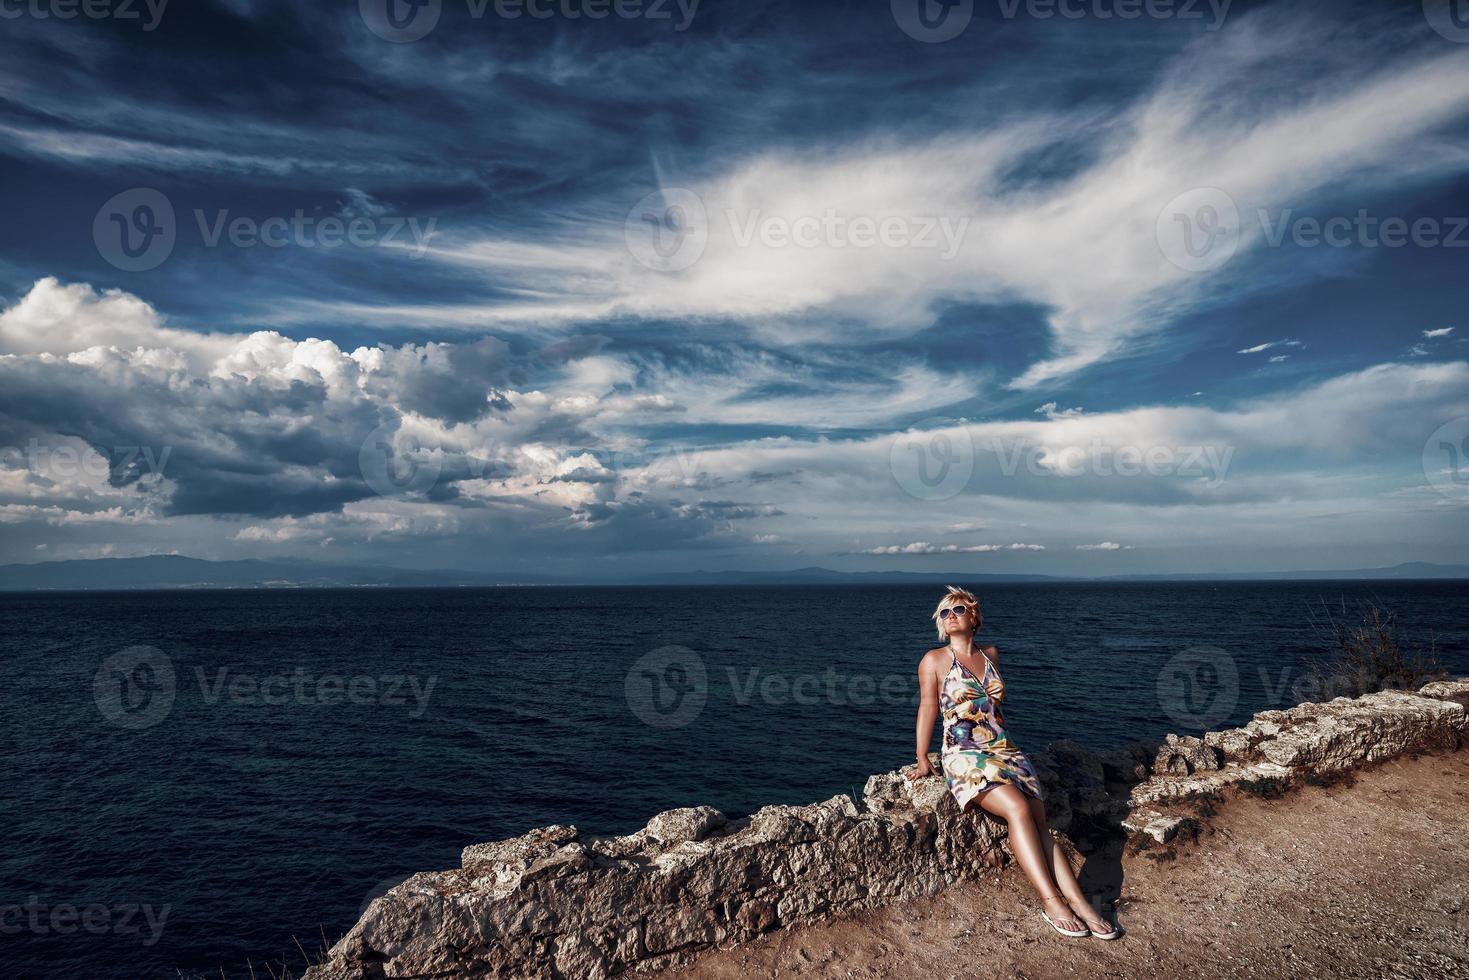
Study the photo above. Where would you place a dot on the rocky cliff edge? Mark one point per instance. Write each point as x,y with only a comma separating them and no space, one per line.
554,903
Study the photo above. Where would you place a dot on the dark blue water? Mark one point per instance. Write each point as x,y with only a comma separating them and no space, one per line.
312,745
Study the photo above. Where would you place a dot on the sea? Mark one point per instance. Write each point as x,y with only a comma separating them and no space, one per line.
201,783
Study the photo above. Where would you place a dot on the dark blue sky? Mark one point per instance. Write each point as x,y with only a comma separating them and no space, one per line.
990,286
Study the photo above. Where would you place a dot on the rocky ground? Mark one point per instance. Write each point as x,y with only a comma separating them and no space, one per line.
1366,878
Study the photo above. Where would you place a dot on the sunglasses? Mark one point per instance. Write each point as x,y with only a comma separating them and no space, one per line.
948,611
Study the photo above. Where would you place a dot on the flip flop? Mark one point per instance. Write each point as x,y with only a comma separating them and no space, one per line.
1073,915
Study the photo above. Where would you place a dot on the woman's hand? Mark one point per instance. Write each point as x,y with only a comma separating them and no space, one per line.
920,769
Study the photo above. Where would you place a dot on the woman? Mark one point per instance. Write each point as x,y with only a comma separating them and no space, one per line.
982,764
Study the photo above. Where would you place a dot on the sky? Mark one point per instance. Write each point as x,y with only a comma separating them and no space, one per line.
1081,287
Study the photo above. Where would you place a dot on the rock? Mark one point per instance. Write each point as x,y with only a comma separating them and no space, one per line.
893,790
1233,744
1159,826
553,904
1309,739
685,824
1130,764
1456,691
1344,732
756,917
1077,779
1183,756
507,860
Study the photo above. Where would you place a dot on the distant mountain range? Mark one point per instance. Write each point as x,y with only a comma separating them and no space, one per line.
1409,570
178,572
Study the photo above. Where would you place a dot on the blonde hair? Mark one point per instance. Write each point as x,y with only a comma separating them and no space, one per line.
957,596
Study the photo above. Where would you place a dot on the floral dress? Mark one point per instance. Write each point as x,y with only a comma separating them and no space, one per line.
978,755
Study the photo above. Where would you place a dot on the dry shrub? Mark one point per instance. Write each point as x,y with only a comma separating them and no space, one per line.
1366,655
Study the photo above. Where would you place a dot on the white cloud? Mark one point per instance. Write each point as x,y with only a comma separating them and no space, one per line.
62,320
288,531
262,421
1265,471
1104,546
1274,343
1440,332
1084,248
257,420
924,548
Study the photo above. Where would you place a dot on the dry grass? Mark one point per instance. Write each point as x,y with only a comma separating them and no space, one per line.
1365,654
281,970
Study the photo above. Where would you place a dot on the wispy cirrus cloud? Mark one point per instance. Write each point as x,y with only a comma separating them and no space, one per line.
1260,348
577,399
1084,247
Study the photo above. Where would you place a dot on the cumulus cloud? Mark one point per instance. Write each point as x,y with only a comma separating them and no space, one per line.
765,392
61,320
255,441
252,424
113,416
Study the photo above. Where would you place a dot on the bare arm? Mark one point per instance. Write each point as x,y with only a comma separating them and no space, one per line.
928,710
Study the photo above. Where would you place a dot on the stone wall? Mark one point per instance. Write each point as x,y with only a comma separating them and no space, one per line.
553,903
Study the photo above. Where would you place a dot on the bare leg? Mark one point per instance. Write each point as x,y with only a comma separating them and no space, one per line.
1008,803
1060,869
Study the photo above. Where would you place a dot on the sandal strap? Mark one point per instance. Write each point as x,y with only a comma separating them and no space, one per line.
1070,913
1082,919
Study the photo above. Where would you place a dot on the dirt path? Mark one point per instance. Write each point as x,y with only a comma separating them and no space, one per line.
1367,880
